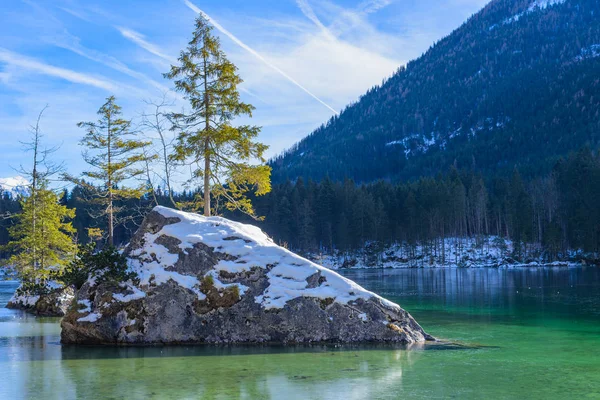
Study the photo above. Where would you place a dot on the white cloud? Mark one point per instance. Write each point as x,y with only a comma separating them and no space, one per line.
20,61
335,68
76,14
5,77
73,43
256,54
371,6
141,41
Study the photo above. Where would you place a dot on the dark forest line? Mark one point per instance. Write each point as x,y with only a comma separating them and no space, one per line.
558,212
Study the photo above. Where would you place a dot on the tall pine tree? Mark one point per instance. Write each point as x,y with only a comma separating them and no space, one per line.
41,239
220,152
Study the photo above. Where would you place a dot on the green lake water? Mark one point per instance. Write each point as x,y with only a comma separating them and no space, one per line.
516,333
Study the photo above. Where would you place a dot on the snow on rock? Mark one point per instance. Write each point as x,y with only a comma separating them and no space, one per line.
224,286
84,306
135,294
54,302
252,248
215,280
92,317
23,300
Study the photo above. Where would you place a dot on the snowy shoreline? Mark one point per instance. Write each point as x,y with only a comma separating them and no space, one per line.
488,252
359,266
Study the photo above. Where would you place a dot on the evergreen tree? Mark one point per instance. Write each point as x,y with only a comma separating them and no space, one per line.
220,152
114,154
41,239
521,213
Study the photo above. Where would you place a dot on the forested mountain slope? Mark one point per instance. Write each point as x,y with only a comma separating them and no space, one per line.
517,85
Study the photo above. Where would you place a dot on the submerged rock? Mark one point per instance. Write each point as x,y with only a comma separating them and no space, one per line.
211,280
55,303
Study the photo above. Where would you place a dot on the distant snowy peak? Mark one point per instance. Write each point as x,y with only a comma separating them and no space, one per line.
14,187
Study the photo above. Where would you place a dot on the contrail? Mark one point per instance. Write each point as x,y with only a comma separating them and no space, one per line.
140,40
310,14
254,53
369,7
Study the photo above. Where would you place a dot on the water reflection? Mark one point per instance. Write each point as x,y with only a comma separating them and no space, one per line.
520,316
142,373
565,291
352,375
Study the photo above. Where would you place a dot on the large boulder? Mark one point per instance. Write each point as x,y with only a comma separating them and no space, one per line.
211,280
53,303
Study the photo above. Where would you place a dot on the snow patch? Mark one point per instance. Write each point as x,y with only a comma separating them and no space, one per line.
592,51
224,286
537,5
415,143
135,295
86,304
24,300
490,251
93,317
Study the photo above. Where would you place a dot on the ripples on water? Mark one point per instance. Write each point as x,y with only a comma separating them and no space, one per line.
519,333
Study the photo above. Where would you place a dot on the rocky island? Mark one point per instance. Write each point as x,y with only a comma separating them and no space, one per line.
53,303
211,280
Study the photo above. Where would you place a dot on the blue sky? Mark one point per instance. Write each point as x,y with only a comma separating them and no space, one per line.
300,59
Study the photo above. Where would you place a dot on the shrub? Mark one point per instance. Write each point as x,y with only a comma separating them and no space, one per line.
107,265
33,288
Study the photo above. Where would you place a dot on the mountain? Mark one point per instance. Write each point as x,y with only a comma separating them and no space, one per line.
14,187
516,85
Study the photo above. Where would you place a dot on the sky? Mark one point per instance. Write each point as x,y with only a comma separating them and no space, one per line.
302,61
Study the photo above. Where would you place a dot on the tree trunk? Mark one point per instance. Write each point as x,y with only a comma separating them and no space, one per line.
206,145
34,194
206,180
111,240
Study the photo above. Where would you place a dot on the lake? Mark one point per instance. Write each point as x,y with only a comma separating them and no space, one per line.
515,333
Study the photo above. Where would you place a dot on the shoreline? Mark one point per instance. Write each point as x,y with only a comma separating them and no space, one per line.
502,266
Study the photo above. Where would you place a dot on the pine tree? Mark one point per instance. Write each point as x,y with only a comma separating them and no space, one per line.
41,239
220,152
521,213
114,155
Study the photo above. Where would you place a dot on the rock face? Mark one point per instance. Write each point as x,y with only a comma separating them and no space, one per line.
211,280
54,304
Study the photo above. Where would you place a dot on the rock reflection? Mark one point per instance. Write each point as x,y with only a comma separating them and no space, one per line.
295,373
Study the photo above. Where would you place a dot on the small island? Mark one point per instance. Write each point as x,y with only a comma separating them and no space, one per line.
196,279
